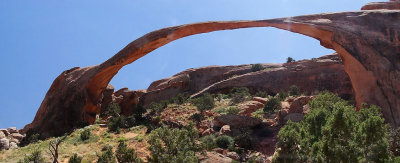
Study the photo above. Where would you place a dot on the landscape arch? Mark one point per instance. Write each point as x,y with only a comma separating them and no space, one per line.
367,42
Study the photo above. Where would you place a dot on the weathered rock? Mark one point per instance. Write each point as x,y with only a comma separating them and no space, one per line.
226,129
392,5
260,99
13,140
212,157
294,117
4,144
236,121
207,132
12,130
107,98
2,135
17,136
13,145
297,105
249,107
5,132
129,99
233,155
367,42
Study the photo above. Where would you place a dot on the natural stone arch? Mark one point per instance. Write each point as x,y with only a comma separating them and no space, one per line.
367,42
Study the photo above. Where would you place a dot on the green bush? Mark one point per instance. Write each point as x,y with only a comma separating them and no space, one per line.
31,137
196,117
293,90
112,109
282,95
239,94
85,134
75,159
232,110
179,99
221,96
35,157
333,131
157,107
126,155
116,123
395,142
173,145
290,59
273,104
244,140
107,156
205,102
256,67
208,142
138,111
261,94
224,141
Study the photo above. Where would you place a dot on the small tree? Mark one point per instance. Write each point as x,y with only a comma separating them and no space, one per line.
112,109
75,159
205,102
208,142
53,147
290,59
239,94
116,123
126,155
224,141
85,134
293,90
107,156
256,67
272,105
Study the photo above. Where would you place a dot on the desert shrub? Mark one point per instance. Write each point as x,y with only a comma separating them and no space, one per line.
261,94
173,145
205,102
293,90
232,110
258,114
244,140
31,137
208,142
138,111
282,95
179,99
333,131
239,94
395,142
273,104
112,109
75,159
221,96
126,155
107,156
157,107
85,134
196,117
116,123
290,59
35,157
256,67
224,141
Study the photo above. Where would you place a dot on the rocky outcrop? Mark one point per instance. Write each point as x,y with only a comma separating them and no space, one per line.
236,121
10,138
392,5
367,41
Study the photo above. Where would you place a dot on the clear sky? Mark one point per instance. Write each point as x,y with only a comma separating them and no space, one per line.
41,39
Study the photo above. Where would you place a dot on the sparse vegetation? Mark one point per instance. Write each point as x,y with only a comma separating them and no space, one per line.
244,140
238,94
224,141
35,157
256,67
261,94
107,156
334,132
75,159
282,95
208,142
113,109
116,123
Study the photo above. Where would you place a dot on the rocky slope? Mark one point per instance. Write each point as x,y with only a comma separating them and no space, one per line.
367,41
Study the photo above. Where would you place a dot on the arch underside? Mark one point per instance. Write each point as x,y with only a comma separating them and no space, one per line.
367,42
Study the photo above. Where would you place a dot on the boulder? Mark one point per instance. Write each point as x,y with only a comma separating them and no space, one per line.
298,103
207,132
14,140
213,157
13,145
249,107
233,155
12,130
5,132
4,144
260,99
2,135
17,136
236,121
225,130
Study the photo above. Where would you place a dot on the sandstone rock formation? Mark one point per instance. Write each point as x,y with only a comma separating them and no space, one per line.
10,138
367,41
392,5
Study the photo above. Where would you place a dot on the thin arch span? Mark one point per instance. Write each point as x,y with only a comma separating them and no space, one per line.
347,33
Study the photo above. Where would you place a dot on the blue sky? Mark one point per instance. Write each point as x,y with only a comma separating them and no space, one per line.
40,39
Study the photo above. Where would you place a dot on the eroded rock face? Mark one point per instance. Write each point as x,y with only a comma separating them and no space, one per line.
367,41
392,5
